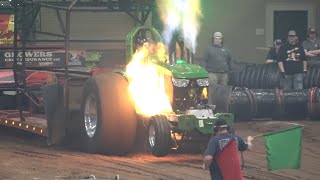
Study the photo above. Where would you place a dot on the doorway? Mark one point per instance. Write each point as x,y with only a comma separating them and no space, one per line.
280,17
285,21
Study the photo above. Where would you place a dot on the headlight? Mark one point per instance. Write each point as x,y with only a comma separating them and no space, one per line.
180,82
203,82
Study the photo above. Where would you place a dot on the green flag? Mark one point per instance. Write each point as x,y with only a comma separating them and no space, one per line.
284,148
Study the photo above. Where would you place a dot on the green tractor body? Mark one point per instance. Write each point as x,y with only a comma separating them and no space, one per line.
109,120
189,123
193,115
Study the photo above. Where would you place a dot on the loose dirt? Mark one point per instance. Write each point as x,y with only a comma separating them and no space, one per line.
26,156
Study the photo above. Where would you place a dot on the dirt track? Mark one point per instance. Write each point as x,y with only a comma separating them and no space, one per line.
26,156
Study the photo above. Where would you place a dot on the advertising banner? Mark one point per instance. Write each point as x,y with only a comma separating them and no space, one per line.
6,29
43,58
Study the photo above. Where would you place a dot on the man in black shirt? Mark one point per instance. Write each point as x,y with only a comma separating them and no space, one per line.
292,62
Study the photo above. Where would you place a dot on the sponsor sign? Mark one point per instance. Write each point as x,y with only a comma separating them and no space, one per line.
6,29
42,58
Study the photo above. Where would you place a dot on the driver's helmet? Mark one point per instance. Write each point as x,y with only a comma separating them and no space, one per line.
180,39
143,42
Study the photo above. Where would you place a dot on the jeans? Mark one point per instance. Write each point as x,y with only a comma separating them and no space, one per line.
295,80
218,78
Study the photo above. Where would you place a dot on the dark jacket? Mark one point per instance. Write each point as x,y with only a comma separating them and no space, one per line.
218,59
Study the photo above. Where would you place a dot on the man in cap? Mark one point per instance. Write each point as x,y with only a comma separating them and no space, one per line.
217,60
274,51
312,46
221,138
292,62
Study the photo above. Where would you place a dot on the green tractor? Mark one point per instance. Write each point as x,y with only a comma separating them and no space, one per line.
110,123
188,84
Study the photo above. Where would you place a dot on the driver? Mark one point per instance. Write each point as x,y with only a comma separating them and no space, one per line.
150,49
142,42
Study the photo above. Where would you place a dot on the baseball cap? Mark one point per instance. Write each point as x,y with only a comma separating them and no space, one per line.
217,34
277,42
311,30
221,123
292,33
141,41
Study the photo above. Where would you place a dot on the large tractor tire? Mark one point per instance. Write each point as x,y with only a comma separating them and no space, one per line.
159,136
108,118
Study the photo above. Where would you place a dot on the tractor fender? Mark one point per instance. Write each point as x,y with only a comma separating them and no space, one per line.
122,73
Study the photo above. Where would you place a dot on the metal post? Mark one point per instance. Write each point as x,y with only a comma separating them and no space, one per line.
15,12
23,61
18,70
66,74
190,56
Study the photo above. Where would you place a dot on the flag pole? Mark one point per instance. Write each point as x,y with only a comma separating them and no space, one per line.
257,135
288,123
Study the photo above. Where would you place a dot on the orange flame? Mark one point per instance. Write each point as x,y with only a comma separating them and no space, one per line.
146,83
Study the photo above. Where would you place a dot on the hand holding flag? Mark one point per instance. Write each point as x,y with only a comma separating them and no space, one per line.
250,138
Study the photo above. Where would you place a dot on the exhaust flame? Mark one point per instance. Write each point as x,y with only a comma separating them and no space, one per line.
182,16
147,84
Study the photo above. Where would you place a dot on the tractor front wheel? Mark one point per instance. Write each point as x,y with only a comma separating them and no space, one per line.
159,136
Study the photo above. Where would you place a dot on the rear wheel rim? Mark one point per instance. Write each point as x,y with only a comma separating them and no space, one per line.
152,135
90,116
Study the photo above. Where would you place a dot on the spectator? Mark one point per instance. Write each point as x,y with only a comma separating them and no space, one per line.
217,60
273,52
312,47
221,137
292,62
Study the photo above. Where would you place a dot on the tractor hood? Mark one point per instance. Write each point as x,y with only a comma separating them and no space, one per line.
185,70
188,71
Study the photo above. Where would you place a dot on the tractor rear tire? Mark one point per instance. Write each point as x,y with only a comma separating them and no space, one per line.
159,136
111,128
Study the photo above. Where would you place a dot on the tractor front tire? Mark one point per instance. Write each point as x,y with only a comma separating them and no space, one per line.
108,119
159,136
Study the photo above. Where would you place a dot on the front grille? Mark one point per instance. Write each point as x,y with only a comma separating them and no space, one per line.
188,97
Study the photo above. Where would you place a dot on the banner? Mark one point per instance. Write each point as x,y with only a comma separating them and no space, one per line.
6,29
43,58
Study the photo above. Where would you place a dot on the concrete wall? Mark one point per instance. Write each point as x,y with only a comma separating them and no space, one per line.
242,22
88,26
